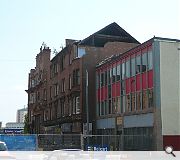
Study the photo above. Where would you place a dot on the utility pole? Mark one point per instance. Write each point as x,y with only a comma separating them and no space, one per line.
87,107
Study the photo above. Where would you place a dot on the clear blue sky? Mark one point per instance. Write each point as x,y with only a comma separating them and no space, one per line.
25,24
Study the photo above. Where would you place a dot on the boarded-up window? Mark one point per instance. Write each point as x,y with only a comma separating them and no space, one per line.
114,105
118,105
138,100
128,103
133,101
123,104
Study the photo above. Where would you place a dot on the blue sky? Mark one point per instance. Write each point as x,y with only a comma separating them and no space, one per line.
25,24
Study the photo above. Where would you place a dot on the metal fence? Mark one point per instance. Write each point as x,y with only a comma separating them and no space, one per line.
49,142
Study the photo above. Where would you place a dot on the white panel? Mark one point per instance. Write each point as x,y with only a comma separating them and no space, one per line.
142,120
169,82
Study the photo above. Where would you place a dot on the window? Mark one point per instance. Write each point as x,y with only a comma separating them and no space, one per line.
109,76
50,92
118,105
76,105
55,68
73,105
56,89
133,101
144,62
81,52
76,77
105,107
44,94
145,100
62,107
138,64
138,100
97,80
70,82
118,73
114,109
114,75
105,76
109,107
150,98
63,85
123,103
150,60
109,91
102,108
98,109
133,68
122,87
102,79
62,62
128,69
123,71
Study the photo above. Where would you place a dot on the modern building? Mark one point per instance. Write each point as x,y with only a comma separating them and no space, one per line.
65,97
138,95
20,117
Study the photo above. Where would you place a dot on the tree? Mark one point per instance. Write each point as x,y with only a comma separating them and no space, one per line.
26,125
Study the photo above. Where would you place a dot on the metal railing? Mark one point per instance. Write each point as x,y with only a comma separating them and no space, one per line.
49,142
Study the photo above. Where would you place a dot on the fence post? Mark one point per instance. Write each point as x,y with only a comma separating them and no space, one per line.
36,142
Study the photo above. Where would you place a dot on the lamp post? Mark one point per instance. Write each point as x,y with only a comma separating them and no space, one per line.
87,108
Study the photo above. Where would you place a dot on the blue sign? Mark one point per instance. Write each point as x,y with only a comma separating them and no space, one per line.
13,131
20,142
97,148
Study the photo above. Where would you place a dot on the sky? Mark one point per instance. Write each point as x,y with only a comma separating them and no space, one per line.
26,24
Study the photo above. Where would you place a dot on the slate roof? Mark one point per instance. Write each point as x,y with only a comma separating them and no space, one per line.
112,32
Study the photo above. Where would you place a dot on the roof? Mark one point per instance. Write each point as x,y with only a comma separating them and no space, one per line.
112,32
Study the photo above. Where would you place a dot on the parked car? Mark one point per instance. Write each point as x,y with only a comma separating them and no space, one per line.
3,146
4,153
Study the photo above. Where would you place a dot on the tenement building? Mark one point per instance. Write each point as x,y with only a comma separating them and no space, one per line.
64,100
38,84
137,96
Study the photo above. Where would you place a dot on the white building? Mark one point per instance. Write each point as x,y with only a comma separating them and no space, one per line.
14,125
21,115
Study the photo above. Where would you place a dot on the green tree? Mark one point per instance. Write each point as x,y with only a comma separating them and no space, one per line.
26,125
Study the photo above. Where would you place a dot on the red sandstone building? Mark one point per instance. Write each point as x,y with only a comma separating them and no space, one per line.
57,95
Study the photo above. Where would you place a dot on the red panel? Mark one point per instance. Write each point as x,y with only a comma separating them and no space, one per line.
133,84
170,140
127,86
144,81
150,79
114,90
118,89
138,82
